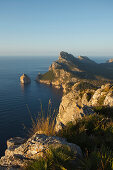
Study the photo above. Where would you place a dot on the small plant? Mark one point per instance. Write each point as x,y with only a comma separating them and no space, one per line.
54,159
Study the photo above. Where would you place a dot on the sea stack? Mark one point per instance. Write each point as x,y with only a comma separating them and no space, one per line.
24,79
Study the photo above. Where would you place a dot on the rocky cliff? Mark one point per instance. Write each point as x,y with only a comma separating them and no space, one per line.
77,103
69,69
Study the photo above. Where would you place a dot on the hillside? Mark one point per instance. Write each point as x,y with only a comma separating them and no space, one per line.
71,69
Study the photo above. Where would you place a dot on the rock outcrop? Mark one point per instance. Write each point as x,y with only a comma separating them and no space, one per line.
77,104
103,96
24,79
19,152
71,109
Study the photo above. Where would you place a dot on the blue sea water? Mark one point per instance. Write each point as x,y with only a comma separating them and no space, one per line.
14,97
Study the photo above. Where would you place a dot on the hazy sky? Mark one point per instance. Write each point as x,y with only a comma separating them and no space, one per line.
46,27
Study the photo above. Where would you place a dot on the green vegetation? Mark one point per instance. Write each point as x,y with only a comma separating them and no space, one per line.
101,100
85,85
55,159
94,134
48,76
104,110
89,132
98,160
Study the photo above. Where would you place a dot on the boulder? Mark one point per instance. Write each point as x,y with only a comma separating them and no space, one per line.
24,79
18,153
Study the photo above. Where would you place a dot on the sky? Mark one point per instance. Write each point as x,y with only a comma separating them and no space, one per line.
46,27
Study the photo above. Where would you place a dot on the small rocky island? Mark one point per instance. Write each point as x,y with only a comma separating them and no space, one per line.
24,79
84,120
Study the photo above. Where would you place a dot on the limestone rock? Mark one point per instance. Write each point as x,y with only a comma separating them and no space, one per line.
103,96
77,104
17,155
24,79
109,99
71,109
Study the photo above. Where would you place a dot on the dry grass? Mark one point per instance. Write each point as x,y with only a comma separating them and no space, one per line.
44,124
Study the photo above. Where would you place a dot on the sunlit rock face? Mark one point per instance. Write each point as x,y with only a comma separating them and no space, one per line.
110,60
77,104
24,79
71,109
19,151
103,96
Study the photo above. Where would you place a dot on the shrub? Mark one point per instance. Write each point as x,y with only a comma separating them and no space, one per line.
94,134
104,110
89,132
54,159
85,85
97,160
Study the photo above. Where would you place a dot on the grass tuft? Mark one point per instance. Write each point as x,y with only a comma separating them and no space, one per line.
44,123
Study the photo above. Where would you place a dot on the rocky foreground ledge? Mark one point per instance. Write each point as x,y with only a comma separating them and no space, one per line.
19,152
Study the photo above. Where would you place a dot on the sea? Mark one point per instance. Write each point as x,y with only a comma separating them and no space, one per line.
18,103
